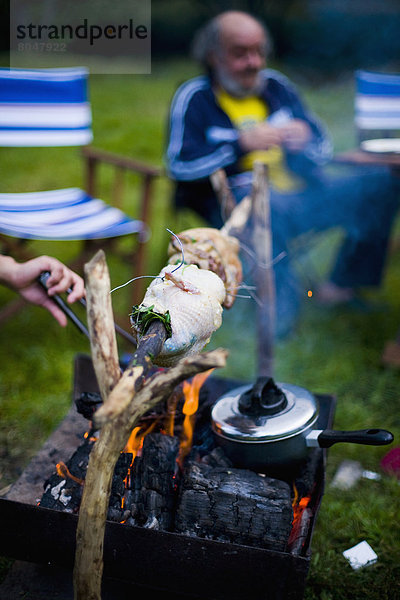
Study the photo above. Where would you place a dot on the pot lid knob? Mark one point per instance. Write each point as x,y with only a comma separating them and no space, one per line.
264,398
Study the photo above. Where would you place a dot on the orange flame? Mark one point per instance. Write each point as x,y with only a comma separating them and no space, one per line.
135,442
299,505
171,410
134,445
63,471
91,439
191,392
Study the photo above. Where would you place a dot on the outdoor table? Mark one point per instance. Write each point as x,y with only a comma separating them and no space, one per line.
361,157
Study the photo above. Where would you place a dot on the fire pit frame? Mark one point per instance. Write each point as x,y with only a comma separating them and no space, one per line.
171,562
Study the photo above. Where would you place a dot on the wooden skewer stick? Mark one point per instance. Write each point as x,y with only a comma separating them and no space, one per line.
221,188
235,214
150,346
265,280
255,207
238,218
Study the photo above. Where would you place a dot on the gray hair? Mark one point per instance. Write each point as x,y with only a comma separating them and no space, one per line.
207,40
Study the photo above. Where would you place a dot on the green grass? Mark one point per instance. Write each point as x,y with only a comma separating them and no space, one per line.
332,351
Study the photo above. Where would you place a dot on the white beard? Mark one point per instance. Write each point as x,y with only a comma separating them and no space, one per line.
233,87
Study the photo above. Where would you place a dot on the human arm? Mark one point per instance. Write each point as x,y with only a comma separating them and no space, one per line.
22,278
201,137
293,136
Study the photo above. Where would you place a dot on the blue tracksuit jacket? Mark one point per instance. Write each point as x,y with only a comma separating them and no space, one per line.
203,139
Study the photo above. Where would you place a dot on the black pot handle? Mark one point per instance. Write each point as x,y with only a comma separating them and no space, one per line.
369,437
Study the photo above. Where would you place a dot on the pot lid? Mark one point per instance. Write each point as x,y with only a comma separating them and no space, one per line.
265,412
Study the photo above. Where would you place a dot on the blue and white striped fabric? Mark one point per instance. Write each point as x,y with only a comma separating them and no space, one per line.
68,214
50,107
44,107
377,101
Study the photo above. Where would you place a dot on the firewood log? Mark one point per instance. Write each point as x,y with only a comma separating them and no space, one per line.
101,324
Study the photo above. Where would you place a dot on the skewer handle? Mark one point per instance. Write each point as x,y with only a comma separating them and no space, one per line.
43,277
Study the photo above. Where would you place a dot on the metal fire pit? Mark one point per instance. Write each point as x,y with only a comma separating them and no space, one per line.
180,566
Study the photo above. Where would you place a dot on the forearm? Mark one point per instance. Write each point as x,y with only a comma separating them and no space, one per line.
8,267
201,139
184,168
22,278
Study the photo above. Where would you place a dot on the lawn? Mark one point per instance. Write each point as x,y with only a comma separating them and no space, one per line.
335,351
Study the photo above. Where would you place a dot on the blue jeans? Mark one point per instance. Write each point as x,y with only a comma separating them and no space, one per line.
363,202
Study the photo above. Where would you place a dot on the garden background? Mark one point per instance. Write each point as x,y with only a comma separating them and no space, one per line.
337,350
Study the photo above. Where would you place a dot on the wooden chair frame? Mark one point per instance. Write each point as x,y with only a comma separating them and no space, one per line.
93,158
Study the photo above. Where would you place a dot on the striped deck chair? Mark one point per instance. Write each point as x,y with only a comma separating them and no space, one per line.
377,105
50,107
377,115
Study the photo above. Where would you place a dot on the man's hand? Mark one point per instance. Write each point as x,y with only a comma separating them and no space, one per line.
260,137
295,134
22,277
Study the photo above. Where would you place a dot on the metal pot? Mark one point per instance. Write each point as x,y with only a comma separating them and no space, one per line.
268,426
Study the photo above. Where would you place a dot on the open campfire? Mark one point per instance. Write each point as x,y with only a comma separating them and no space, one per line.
160,551
160,488
149,460
172,476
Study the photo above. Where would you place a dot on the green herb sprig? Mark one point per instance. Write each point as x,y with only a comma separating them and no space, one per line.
142,316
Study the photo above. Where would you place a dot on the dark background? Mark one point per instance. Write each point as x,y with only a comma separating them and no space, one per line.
320,34
324,34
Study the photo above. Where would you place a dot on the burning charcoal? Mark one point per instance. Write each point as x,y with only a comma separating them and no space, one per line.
154,482
152,523
113,514
154,501
88,403
217,458
310,471
62,494
234,505
300,531
130,521
63,490
305,483
115,510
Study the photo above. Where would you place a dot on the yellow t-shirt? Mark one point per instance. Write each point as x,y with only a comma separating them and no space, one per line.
245,113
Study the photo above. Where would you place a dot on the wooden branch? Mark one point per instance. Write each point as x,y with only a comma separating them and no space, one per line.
150,345
238,218
220,186
103,457
265,280
162,384
101,324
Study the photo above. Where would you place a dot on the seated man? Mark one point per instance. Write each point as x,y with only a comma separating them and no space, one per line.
240,112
